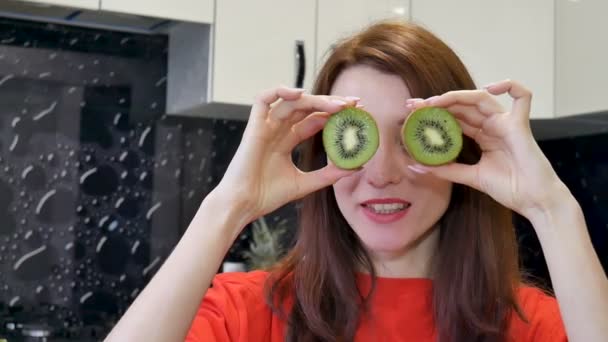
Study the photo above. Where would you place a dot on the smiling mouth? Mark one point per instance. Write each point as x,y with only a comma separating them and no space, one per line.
386,208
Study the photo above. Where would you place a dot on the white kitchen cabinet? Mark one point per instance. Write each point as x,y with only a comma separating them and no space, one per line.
581,55
500,39
81,4
197,11
338,19
255,47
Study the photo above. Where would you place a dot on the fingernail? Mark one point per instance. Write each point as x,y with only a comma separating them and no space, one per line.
418,169
432,98
352,98
413,100
489,85
338,102
360,106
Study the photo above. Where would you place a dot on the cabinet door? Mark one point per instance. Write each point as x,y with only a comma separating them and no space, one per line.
498,40
199,11
340,18
84,4
255,47
581,55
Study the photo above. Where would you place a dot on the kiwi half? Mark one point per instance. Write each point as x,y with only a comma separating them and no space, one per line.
432,136
350,138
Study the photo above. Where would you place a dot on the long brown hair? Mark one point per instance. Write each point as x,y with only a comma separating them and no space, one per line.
476,266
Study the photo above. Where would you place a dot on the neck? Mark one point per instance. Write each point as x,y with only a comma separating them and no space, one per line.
413,261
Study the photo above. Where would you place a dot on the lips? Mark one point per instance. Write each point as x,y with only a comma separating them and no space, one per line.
385,210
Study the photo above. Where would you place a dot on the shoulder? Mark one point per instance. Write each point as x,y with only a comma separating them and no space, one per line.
538,304
233,306
541,309
247,286
246,279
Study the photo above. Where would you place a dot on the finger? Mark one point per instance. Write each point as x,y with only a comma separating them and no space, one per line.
295,111
413,100
522,97
304,130
412,104
453,172
326,176
264,100
290,94
472,132
468,114
484,102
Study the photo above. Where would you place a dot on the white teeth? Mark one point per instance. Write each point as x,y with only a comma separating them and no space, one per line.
388,208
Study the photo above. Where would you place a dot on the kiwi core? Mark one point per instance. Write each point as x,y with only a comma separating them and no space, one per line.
350,140
433,137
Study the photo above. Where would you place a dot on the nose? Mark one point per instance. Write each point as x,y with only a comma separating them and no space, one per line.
385,166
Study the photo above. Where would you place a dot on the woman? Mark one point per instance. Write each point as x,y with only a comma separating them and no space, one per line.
441,265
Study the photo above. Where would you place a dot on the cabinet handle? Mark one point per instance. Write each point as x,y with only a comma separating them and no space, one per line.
300,63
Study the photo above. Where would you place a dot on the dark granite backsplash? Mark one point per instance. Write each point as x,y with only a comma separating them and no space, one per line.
97,184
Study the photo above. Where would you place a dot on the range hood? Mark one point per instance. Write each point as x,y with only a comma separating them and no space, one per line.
82,17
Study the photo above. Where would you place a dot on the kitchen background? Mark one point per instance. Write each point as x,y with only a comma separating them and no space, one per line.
105,157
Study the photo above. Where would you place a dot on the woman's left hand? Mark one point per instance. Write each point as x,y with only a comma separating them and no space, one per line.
513,170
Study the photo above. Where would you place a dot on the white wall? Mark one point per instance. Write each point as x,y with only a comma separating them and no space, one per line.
582,56
498,40
338,19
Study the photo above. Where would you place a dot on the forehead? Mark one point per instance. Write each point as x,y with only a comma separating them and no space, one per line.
382,94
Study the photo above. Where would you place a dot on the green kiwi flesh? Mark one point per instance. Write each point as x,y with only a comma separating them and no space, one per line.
432,136
350,138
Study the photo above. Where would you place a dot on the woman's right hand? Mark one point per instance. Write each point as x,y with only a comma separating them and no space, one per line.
262,176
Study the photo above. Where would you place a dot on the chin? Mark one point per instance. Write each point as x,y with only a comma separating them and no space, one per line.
377,241
393,240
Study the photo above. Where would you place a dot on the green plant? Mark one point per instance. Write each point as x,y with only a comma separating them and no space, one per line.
265,248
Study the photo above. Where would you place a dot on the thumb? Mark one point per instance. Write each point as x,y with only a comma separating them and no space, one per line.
326,176
453,172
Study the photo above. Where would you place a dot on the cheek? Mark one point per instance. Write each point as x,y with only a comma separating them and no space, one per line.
344,190
344,187
439,195
431,203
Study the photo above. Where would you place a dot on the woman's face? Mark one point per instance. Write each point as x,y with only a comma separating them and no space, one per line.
391,208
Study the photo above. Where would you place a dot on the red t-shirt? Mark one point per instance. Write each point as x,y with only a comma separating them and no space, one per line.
234,309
